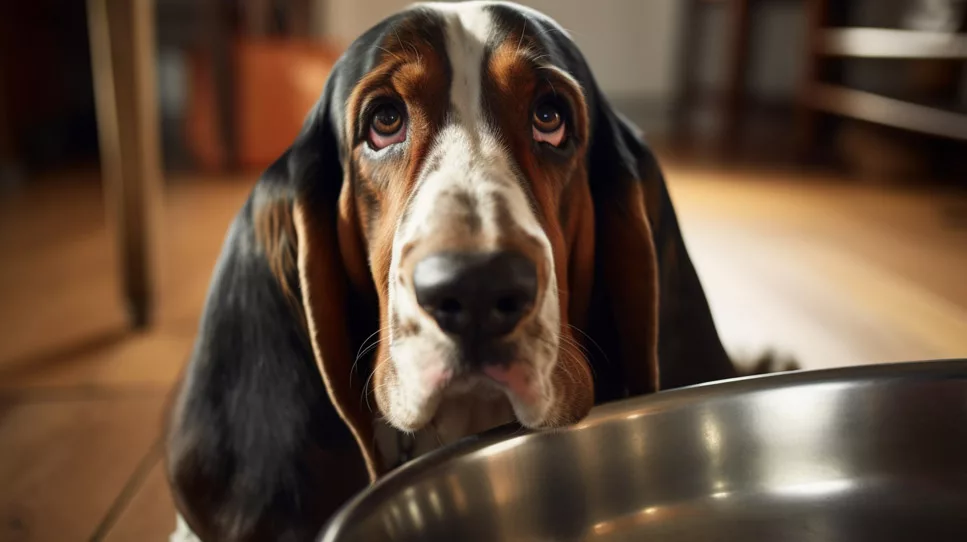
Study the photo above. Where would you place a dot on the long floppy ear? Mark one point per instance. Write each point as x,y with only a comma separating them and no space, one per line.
265,435
648,306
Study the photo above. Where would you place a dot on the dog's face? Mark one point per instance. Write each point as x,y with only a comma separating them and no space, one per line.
462,139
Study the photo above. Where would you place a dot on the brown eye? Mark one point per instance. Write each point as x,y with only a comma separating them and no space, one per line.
387,120
547,118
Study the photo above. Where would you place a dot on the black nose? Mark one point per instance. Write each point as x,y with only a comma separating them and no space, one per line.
476,295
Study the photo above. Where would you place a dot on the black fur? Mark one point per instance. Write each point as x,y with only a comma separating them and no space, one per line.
253,426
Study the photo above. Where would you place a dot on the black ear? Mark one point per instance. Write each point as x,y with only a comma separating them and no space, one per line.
648,303
261,443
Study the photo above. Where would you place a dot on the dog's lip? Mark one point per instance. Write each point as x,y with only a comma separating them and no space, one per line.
516,378
437,378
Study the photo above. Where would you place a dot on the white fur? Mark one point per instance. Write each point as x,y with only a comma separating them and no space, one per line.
474,163
183,532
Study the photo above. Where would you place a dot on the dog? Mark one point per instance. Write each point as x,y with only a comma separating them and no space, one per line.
464,234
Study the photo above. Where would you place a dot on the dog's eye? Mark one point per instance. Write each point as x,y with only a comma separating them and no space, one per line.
387,127
548,124
547,118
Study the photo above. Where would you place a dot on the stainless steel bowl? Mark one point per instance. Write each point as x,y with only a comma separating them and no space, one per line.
866,453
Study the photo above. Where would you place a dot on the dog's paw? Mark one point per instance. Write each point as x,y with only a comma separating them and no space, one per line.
767,362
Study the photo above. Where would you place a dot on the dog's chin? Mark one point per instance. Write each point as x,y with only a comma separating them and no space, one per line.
409,407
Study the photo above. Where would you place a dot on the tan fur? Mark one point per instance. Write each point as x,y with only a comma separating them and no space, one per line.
323,281
628,249
275,233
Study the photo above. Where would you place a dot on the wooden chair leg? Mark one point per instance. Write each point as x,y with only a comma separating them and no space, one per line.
688,56
123,59
807,117
737,61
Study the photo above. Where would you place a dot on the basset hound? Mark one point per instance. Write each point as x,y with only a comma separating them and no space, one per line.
464,234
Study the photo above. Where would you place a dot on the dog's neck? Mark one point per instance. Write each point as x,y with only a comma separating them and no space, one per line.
458,416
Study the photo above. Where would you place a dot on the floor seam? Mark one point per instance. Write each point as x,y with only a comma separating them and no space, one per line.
128,492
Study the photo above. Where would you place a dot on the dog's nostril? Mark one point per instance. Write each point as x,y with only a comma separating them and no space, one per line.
476,295
508,304
450,306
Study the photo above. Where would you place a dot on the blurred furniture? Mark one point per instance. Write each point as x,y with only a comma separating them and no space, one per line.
824,92
252,81
728,100
732,112
46,96
124,64
8,159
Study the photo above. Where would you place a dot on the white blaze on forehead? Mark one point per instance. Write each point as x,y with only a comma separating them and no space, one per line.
467,161
469,27
458,148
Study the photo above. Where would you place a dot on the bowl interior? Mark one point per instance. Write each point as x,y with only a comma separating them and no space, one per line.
871,453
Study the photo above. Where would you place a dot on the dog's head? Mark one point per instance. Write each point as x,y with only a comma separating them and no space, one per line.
466,135
464,213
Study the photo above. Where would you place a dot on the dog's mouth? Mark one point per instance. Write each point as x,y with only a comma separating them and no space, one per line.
418,379
517,380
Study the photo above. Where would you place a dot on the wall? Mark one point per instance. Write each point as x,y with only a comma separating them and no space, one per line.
630,44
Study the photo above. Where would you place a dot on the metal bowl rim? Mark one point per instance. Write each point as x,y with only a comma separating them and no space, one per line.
663,401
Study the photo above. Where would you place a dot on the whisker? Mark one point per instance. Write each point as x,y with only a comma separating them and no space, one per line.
570,341
361,352
366,388
416,52
565,346
436,432
371,335
572,357
387,51
550,84
593,342
371,347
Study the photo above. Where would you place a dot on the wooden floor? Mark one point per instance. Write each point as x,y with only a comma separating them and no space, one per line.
828,271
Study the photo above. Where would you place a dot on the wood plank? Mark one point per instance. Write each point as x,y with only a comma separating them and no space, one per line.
63,463
151,513
871,107
830,272
891,43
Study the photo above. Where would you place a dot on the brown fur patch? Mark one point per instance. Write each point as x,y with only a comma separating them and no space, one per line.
630,273
323,279
409,328
275,233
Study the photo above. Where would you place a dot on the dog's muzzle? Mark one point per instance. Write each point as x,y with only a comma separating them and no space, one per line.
478,299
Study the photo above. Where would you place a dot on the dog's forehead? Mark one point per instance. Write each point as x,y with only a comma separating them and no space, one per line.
467,31
485,20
